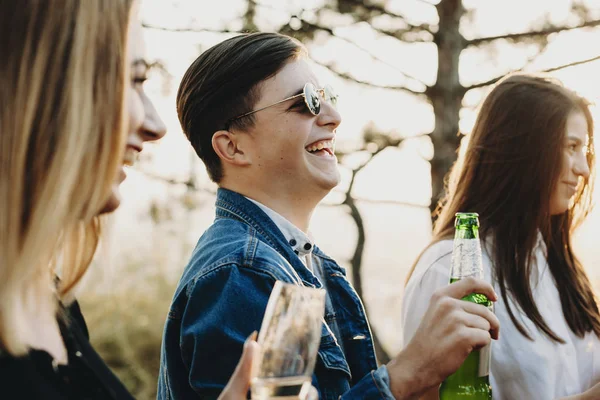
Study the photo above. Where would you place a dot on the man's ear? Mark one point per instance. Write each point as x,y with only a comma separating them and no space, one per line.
229,149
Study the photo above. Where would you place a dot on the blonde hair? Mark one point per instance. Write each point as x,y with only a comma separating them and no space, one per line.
62,125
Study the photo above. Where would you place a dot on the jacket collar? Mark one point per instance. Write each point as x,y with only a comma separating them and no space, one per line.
301,242
232,205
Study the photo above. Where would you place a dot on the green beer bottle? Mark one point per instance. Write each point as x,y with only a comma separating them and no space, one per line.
471,381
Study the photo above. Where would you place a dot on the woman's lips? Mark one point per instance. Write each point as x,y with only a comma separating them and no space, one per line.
572,188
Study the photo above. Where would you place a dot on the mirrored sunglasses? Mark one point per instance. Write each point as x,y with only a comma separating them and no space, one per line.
312,99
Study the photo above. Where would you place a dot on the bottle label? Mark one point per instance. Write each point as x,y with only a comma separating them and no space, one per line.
466,259
484,360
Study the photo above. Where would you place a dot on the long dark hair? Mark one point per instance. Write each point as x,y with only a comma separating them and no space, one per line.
507,174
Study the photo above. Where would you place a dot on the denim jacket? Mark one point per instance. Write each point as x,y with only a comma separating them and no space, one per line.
221,299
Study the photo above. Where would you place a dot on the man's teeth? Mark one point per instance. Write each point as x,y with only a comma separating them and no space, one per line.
324,144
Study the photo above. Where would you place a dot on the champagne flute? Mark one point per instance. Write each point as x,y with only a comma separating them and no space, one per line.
289,339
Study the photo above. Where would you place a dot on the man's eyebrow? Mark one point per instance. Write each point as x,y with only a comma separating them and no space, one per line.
296,93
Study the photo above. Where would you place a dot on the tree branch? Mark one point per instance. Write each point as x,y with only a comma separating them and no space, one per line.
405,35
573,64
483,84
375,201
381,10
282,9
249,16
194,188
532,34
331,32
496,79
190,29
533,58
425,2
356,80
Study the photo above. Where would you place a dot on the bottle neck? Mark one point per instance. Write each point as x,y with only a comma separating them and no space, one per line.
466,255
466,232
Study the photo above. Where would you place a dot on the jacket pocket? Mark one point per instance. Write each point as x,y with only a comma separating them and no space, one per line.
331,354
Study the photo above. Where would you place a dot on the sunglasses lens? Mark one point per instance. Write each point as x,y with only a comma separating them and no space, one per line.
330,95
311,97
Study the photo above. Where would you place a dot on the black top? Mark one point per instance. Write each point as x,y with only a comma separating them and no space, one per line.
85,377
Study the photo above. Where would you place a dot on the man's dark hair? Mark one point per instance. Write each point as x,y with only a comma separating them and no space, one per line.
223,82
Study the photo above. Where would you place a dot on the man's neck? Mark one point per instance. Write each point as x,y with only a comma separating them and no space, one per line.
296,209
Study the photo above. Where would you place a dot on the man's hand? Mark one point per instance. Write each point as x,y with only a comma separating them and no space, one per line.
239,383
450,330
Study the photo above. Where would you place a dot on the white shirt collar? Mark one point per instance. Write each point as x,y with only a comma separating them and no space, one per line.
301,243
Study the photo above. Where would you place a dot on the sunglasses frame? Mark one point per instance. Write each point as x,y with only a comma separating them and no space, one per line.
309,90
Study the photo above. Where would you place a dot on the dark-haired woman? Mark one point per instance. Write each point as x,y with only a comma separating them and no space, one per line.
527,170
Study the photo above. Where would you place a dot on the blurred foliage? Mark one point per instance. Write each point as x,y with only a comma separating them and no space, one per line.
126,326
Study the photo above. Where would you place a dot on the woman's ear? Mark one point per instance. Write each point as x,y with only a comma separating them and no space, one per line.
229,149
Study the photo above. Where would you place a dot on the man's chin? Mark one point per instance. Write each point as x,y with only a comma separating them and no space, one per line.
330,183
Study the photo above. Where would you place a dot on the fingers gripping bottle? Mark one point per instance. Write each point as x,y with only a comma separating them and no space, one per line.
471,380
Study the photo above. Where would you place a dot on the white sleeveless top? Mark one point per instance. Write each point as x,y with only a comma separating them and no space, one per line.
520,368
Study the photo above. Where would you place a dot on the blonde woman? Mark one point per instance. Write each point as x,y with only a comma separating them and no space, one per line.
72,113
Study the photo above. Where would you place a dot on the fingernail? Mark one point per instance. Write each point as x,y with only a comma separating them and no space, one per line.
251,338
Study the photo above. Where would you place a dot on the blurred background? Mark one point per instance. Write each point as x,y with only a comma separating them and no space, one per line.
410,74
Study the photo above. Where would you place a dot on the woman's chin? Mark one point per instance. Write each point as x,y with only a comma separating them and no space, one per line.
113,202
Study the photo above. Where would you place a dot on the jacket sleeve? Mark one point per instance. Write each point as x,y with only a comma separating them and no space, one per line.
223,308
